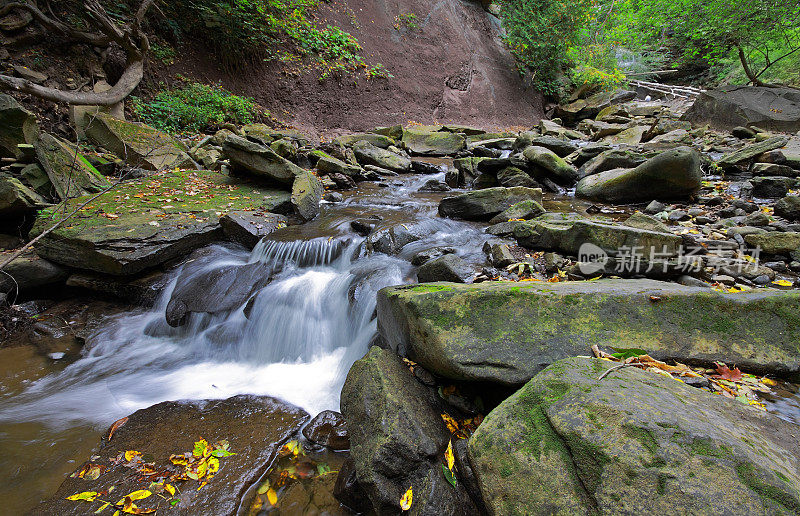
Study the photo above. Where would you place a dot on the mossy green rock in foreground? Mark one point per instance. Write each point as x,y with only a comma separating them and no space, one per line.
138,144
144,222
634,442
507,332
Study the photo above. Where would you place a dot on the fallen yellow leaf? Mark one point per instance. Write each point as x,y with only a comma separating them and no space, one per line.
407,499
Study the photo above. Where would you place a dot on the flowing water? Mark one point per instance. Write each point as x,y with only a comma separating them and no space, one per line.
309,317
306,316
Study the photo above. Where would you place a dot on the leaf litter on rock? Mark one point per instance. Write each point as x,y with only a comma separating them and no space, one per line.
730,383
201,464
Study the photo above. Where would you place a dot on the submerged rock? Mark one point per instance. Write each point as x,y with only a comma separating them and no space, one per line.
486,203
634,442
138,144
507,332
255,427
328,428
397,438
673,174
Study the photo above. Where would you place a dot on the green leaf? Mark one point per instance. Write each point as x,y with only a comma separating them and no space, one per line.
625,353
449,475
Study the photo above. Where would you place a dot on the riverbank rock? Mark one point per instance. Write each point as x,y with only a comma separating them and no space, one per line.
486,203
674,174
30,272
254,426
260,161
449,267
425,142
68,170
568,236
507,332
546,163
775,242
770,109
788,207
132,227
16,198
17,126
634,442
397,438
368,154
307,192
590,107
138,144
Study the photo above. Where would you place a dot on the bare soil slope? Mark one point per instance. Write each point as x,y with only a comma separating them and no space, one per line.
451,68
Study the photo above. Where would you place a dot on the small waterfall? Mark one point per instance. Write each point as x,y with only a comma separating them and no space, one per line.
295,337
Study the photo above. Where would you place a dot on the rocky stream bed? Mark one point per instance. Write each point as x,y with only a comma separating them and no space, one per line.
599,314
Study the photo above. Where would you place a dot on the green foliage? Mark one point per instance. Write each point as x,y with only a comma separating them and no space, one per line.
164,53
540,32
247,31
378,72
759,33
407,20
195,107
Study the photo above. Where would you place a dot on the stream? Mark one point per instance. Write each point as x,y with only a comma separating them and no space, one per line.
294,338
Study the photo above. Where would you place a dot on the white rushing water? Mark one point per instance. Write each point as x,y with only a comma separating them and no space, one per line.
305,328
290,318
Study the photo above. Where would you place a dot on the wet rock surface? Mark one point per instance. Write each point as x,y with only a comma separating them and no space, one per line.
632,441
397,437
506,333
255,427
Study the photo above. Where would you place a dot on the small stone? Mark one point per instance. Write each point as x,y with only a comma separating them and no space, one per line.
654,207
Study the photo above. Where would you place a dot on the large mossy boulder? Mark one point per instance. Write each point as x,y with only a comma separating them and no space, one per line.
398,438
259,161
17,126
138,144
507,332
307,192
486,203
425,142
771,109
368,154
131,227
69,171
255,427
378,140
327,164
634,442
545,163
674,174
568,235
16,198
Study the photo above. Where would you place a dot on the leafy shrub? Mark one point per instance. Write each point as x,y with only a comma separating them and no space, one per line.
539,33
378,72
195,107
248,31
